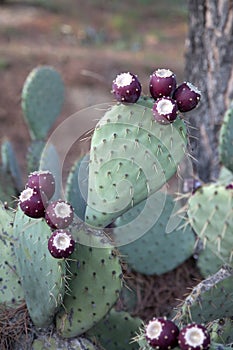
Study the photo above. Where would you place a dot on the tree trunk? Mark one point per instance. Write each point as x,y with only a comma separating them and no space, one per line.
209,66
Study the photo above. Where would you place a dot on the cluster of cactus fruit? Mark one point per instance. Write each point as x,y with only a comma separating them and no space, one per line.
60,257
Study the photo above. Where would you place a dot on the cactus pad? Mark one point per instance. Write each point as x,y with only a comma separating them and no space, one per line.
10,288
208,263
156,251
211,216
42,99
55,343
131,157
94,287
116,330
222,331
211,299
225,140
42,276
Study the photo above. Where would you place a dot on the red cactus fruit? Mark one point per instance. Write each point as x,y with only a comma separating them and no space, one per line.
33,203
126,88
42,180
162,83
165,110
59,214
187,96
61,244
162,334
194,337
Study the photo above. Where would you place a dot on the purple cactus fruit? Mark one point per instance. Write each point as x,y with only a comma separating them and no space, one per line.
61,244
42,180
229,186
162,334
59,214
165,110
126,88
33,203
187,96
194,337
162,83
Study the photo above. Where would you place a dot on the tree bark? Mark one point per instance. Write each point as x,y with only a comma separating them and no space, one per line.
209,66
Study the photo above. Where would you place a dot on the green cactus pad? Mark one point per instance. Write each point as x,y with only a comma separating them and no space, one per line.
222,331
42,276
50,161
116,330
208,263
225,176
211,299
10,164
76,187
34,154
42,100
131,157
8,191
211,216
225,140
156,251
11,291
54,343
94,287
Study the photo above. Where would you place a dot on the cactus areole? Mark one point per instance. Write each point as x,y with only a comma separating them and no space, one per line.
162,334
126,88
162,83
61,244
42,180
194,337
33,203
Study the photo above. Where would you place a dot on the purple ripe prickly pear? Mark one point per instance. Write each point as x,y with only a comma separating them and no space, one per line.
126,88
194,337
162,83
187,96
42,180
59,214
165,110
61,244
161,333
33,203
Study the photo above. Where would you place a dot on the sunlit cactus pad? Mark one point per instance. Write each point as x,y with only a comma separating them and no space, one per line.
131,157
42,99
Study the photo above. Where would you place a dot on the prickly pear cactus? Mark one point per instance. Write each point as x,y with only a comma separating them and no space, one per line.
55,343
156,251
222,331
94,287
226,139
42,99
11,291
211,299
210,211
131,157
42,276
208,263
116,330
76,187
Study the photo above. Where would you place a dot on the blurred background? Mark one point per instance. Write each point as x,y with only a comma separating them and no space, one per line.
89,42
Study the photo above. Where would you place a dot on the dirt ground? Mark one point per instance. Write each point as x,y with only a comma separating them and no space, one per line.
88,44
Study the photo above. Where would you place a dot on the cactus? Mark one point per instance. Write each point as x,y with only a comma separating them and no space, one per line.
166,250
222,331
42,277
225,140
116,330
94,287
55,343
11,291
208,262
42,99
211,299
131,157
211,216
